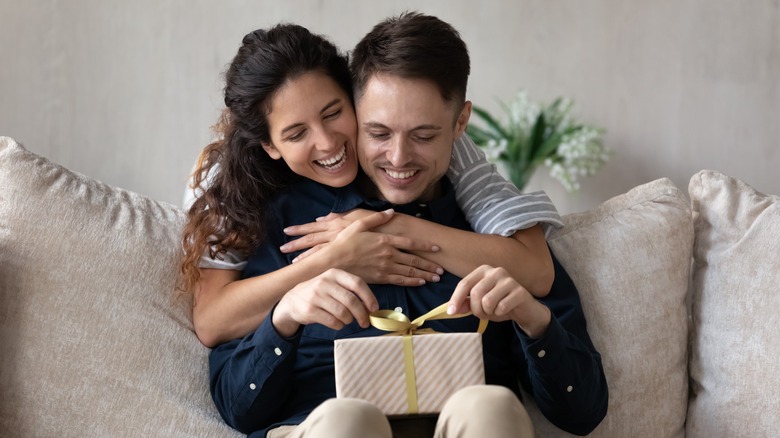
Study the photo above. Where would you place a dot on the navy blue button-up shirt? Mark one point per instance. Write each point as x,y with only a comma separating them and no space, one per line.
265,380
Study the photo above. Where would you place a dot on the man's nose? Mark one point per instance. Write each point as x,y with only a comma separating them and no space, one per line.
400,152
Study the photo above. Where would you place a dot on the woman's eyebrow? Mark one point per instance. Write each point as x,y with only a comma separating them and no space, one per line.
330,104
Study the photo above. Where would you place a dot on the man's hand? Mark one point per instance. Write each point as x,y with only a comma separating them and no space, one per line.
491,293
334,299
376,257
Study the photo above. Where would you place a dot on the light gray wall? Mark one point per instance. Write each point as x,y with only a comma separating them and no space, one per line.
125,91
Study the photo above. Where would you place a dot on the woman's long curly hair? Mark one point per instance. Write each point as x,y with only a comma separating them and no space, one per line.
235,176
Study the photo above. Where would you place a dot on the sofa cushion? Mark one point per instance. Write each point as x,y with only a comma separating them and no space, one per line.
92,341
630,259
736,309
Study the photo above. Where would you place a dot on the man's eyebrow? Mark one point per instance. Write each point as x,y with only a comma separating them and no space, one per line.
377,125
323,110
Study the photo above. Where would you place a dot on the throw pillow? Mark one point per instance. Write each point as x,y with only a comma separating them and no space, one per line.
630,260
736,309
92,342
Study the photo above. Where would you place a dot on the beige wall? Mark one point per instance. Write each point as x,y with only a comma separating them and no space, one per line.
125,91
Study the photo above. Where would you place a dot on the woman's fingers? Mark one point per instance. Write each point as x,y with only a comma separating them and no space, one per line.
308,241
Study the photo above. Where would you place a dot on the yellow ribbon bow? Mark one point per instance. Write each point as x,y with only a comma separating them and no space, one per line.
399,324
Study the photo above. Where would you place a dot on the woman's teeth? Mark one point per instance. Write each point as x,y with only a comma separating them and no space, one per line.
401,175
335,161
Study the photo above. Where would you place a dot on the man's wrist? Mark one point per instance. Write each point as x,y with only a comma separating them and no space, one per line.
534,323
286,327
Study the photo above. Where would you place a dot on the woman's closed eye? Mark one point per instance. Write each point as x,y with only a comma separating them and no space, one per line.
333,115
296,136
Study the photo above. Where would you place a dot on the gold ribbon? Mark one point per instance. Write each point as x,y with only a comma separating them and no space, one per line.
399,324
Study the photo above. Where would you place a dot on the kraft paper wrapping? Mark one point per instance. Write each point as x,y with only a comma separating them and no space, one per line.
373,369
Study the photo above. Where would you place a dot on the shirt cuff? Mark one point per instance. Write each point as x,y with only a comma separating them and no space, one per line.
546,352
272,348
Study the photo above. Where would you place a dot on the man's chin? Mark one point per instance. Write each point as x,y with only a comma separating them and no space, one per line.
395,196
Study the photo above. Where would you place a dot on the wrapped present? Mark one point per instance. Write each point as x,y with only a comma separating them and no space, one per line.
412,370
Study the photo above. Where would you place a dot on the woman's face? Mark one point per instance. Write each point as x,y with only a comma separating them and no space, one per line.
313,128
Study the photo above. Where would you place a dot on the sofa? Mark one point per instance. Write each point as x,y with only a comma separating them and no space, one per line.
682,296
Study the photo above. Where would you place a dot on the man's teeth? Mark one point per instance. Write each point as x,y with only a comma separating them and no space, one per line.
332,161
401,175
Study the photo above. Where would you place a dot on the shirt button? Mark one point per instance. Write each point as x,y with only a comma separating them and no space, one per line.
398,309
278,351
423,205
541,353
569,388
252,386
418,215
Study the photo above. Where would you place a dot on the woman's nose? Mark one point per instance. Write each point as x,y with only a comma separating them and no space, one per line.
325,139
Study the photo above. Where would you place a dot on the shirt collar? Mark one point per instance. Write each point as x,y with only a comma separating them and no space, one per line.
441,209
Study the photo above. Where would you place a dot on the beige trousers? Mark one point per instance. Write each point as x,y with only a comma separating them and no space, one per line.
474,411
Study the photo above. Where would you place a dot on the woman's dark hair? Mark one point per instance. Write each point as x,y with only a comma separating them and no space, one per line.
235,175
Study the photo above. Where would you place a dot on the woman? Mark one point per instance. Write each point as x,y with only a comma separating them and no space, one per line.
289,87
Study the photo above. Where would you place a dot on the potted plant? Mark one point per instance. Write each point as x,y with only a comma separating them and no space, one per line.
534,135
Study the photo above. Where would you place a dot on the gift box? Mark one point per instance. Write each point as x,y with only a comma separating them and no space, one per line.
408,372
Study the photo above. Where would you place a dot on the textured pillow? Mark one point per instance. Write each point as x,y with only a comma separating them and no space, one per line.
735,377
630,259
91,340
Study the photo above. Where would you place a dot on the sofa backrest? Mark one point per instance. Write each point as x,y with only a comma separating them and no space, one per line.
92,342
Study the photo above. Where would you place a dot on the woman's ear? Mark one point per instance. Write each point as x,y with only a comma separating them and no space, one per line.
271,150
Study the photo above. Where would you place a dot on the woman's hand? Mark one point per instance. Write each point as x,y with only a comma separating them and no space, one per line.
376,257
326,228
334,299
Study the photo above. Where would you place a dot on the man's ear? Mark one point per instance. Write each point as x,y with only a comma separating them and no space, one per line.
271,150
463,119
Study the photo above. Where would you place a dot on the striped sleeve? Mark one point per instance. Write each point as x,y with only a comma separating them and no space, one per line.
492,204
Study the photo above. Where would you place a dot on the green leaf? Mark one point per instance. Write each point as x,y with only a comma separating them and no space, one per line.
479,135
490,121
537,137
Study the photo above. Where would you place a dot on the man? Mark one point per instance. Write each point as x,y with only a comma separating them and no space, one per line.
410,75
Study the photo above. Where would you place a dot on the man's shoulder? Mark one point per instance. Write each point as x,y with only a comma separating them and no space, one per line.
308,198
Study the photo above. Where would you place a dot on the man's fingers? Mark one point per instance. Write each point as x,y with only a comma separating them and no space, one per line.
358,287
459,301
463,298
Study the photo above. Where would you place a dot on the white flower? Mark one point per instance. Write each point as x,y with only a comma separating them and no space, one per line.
568,149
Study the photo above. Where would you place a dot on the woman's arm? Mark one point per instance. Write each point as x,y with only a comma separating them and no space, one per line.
227,307
524,255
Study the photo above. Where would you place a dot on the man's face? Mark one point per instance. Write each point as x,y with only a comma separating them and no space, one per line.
405,135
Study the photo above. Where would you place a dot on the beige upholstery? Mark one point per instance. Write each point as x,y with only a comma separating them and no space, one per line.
735,351
625,258
91,343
